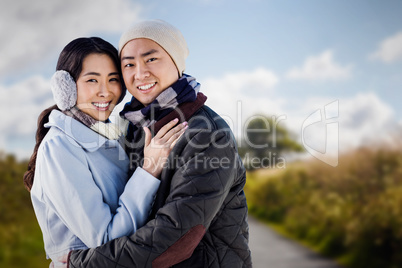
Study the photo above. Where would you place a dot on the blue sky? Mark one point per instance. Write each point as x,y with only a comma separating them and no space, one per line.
282,58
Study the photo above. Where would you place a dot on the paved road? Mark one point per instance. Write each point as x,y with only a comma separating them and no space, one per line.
270,250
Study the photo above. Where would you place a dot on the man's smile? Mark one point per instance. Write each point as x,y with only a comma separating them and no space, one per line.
146,87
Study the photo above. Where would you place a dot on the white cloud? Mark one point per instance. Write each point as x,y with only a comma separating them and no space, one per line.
366,118
21,105
389,50
256,82
32,30
363,119
237,96
321,67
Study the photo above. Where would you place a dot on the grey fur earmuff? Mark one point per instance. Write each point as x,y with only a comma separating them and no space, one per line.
64,90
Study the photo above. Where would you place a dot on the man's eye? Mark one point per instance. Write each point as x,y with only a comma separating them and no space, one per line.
151,59
129,65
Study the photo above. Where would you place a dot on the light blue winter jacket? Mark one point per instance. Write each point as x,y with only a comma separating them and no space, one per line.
81,193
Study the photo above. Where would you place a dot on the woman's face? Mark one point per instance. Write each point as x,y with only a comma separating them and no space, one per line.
98,86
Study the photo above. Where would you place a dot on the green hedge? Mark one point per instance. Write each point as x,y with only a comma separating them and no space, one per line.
352,212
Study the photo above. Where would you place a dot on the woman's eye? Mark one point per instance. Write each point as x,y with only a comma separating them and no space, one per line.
92,80
114,80
129,65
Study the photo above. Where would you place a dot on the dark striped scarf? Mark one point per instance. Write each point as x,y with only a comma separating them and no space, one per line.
183,90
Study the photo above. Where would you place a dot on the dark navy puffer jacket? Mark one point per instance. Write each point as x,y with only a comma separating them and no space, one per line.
200,213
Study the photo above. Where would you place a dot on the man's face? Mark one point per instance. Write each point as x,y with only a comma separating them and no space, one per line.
147,69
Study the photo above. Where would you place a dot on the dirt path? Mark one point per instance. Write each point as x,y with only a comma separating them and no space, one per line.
270,250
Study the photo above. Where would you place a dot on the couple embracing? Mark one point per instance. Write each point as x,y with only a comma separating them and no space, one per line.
152,195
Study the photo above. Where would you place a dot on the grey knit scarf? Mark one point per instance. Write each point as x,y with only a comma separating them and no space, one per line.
106,129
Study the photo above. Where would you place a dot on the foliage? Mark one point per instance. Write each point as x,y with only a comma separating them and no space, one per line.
352,212
21,239
265,141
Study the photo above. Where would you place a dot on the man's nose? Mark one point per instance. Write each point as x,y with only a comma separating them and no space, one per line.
142,72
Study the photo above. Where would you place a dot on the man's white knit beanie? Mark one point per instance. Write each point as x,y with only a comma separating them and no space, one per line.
165,35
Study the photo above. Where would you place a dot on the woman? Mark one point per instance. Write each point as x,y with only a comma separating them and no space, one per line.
81,194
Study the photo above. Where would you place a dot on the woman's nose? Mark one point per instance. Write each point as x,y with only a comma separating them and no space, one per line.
103,90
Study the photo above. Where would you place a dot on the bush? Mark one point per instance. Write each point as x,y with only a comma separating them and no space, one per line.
21,238
351,212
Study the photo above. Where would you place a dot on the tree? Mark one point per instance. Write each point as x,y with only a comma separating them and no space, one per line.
265,141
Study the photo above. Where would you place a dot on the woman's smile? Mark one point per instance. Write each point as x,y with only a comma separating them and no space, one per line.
102,106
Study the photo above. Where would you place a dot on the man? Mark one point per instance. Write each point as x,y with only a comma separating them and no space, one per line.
199,218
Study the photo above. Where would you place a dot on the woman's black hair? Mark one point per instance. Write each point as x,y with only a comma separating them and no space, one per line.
73,55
